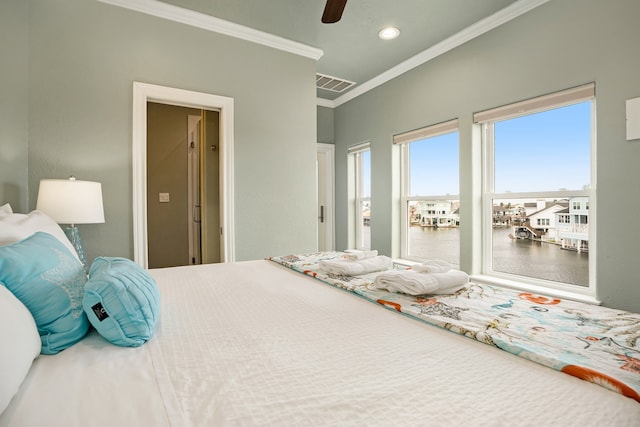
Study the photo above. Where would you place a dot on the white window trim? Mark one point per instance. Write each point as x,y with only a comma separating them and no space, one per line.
403,140
485,120
355,181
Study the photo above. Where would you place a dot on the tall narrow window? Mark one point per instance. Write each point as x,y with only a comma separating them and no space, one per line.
430,187
360,171
538,183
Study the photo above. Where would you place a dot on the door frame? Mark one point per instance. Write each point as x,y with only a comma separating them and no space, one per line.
328,176
193,188
145,92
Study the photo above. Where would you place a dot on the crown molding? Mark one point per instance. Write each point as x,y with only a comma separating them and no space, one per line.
322,102
484,25
211,23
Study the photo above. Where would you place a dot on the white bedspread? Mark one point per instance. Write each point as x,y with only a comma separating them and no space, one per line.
256,344
272,347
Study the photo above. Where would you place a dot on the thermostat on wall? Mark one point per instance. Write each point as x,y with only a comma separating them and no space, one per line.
633,119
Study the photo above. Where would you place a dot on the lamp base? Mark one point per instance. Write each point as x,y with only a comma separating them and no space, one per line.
73,234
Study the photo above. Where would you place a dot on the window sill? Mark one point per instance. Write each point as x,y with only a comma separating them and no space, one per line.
404,262
519,285
558,293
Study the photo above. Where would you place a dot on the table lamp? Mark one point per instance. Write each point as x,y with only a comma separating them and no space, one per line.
69,201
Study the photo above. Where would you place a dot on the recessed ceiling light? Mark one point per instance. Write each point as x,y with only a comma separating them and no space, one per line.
389,33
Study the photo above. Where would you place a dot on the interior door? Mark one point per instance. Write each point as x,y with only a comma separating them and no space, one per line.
325,191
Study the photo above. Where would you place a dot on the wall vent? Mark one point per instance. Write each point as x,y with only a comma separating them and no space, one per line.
333,84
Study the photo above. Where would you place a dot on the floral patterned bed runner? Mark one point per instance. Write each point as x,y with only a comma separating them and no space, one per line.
594,343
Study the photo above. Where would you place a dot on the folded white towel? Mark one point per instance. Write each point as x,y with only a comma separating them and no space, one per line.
355,254
353,268
413,283
432,266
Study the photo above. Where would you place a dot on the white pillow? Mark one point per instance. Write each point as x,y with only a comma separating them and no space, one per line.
16,227
20,343
5,209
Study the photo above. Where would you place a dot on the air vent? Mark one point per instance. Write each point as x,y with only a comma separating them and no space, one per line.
333,84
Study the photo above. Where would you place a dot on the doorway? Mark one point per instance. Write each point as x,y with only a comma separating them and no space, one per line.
183,220
144,93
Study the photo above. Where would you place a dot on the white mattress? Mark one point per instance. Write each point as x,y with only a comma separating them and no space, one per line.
93,383
256,344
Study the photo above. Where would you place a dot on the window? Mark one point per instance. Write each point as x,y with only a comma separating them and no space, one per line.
564,219
360,196
538,160
430,186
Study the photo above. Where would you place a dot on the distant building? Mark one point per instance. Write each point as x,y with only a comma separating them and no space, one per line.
540,220
436,213
573,229
564,222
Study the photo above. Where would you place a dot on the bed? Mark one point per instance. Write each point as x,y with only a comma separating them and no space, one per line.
276,343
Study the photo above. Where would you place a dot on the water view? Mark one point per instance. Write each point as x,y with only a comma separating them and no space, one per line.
524,257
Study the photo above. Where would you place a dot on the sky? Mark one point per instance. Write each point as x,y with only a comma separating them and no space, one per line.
366,171
546,151
434,166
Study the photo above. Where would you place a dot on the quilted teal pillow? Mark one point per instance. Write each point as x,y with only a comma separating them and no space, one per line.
122,301
42,273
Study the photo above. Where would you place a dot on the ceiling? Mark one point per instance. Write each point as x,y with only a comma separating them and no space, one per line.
350,49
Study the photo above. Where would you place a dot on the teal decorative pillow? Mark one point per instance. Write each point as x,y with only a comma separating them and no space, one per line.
42,273
122,301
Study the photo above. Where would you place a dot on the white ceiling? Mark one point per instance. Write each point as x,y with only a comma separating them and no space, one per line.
350,49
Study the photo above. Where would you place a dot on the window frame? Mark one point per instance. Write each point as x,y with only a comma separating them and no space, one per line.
356,187
486,120
404,140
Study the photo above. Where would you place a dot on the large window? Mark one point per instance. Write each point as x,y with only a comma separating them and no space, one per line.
360,189
538,184
430,188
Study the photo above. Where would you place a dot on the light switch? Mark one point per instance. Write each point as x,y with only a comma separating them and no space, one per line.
163,197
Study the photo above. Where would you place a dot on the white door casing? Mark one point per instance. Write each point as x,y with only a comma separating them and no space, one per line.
143,93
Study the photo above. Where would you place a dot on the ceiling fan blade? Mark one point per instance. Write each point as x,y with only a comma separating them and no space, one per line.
333,11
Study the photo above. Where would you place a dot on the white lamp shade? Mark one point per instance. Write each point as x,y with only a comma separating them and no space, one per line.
68,201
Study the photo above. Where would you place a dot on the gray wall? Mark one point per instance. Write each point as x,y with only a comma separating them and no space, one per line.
13,104
559,45
325,125
83,59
